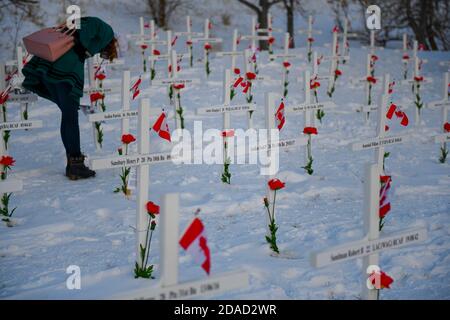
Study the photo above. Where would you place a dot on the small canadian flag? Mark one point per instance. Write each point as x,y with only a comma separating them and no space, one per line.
194,241
161,127
279,116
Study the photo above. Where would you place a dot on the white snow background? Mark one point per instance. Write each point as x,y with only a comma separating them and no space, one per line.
61,223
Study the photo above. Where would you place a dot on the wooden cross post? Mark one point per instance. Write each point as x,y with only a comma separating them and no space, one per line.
371,245
309,35
234,53
444,137
315,69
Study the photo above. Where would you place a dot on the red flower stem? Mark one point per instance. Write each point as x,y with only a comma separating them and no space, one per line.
273,206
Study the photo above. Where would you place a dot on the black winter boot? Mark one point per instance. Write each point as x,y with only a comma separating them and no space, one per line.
76,169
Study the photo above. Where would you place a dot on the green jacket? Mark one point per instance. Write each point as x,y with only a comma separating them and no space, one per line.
93,36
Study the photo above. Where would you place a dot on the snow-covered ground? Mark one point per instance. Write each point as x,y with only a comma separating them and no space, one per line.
62,223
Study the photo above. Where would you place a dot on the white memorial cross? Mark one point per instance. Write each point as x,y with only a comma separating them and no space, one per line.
372,47
142,160
141,35
308,108
344,44
253,37
285,56
125,113
234,53
206,38
381,140
444,137
17,95
169,287
170,82
309,34
416,86
271,105
225,109
335,58
372,244
188,34
369,106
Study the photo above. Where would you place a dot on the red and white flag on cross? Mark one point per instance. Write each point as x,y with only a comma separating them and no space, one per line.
194,241
135,88
385,204
279,116
161,127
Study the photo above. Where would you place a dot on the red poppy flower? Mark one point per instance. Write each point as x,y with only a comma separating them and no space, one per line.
405,56
386,128
310,39
338,72
7,161
384,282
310,130
144,46
128,138
314,85
271,40
228,133
335,29
152,208
418,79
371,79
100,76
385,179
156,52
189,43
178,86
421,46
447,127
286,64
237,71
96,96
276,184
250,76
374,57
208,46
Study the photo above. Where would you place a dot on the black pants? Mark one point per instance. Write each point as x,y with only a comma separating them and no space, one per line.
70,129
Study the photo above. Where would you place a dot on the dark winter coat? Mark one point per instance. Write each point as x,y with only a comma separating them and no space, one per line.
93,36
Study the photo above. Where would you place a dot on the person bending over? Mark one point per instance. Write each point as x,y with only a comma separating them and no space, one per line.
62,82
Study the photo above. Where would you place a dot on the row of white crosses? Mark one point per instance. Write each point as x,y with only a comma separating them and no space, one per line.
444,103
168,288
371,245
